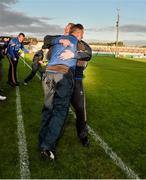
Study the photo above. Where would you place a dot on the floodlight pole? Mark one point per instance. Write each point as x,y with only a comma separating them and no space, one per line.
117,36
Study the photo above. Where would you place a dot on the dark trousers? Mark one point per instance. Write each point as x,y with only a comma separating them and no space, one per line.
35,68
78,103
12,77
58,89
1,74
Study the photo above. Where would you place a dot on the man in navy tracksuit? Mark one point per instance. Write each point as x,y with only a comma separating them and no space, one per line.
78,97
58,87
13,54
36,65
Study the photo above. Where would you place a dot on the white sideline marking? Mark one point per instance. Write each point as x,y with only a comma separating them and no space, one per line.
117,160
22,145
30,67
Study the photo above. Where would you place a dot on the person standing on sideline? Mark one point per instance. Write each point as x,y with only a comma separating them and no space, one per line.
3,49
14,47
36,65
58,87
78,96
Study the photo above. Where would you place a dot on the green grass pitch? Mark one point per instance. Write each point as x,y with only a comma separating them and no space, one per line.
116,102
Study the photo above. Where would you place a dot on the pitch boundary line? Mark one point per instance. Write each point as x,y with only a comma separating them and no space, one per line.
25,63
108,150
22,145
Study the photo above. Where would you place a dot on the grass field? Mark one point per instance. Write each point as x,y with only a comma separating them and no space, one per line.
116,103
136,59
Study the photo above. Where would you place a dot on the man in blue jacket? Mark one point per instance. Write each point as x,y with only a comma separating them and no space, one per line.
78,97
58,87
14,47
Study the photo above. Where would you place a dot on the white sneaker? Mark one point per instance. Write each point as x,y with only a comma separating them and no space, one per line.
2,98
25,83
48,154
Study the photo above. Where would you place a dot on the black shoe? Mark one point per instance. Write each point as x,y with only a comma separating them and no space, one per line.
48,154
11,84
42,75
1,90
17,84
85,141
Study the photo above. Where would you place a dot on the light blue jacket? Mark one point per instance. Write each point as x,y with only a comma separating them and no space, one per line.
59,48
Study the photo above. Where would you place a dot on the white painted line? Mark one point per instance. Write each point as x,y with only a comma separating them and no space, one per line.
30,67
22,145
117,160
